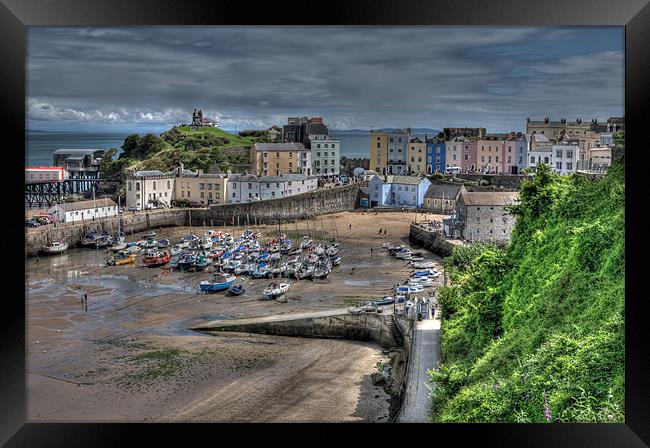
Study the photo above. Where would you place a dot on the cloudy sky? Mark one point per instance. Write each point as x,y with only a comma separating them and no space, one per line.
148,78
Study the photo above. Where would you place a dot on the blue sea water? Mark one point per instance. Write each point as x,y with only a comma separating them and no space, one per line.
40,146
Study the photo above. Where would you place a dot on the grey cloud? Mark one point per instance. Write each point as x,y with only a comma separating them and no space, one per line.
354,76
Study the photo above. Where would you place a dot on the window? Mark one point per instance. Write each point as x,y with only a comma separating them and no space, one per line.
277,155
466,157
209,186
558,153
291,165
558,165
40,176
210,195
569,154
318,146
325,153
137,187
137,196
273,194
130,186
154,184
482,158
202,195
201,186
234,185
326,147
168,186
264,154
491,220
532,159
412,188
378,145
182,194
438,150
569,165
233,194
478,219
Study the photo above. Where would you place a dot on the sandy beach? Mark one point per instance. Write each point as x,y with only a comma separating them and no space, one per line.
128,355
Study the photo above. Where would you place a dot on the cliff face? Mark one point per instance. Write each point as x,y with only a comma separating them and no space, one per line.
535,332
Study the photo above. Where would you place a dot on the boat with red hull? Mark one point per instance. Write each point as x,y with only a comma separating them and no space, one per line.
155,258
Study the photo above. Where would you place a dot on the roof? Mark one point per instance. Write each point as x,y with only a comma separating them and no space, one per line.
149,173
440,190
279,146
77,151
489,198
243,178
285,177
76,157
49,168
404,180
86,205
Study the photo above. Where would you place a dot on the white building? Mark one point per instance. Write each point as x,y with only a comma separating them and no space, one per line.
149,189
539,150
565,158
272,187
84,210
397,191
325,155
600,159
243,188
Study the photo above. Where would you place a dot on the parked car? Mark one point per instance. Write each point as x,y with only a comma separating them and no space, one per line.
31,223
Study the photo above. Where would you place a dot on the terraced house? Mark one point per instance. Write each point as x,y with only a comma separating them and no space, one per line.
200,188
388,151
416,156
490,155
436,162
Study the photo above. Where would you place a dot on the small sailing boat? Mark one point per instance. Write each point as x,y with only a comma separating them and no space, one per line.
275,290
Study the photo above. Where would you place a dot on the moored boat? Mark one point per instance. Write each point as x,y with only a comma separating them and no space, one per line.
153,258
236,290
55,247
275,290
220,281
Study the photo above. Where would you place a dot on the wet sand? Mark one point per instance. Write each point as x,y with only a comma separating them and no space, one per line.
128,356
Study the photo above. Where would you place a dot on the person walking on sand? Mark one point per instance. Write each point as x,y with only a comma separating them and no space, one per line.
85,298
350,226
371,250
384,231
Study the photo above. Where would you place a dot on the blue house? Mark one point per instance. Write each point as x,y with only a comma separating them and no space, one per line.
435,156
397,191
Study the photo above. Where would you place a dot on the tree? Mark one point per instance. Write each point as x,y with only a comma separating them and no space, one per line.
107,160
130,146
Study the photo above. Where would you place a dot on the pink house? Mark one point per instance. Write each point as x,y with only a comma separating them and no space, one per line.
489,154
469,156
509,155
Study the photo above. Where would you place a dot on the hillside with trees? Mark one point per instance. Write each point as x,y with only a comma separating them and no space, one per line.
196,149
534,332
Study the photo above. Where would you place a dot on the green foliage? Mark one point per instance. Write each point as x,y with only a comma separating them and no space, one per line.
543,316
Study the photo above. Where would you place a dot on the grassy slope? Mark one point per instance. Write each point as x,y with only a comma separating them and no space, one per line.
171,154
543,317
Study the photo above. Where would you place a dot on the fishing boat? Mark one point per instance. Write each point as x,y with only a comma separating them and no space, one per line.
116,247
120,259
202,263
279,269
261,271
220,281
424,273
305,272
332,251
285,247
103,241
153,258
186,262
306,242
404,254
89,239
173,262
150,235
163,244
244,268
236,290
336,260
231,265
403,290
275,256
387,300
275,290
424,265
416,258
55,247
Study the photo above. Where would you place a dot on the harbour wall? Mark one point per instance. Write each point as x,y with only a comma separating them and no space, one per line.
360,327
302,206
272,211
433,241
509,182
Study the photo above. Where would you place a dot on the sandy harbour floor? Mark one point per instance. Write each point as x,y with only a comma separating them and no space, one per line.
128,355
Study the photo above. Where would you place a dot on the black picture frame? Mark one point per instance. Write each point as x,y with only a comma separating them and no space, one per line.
15,15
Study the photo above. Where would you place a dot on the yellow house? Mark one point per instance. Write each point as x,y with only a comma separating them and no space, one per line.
200,188
388,151
275,159
416,156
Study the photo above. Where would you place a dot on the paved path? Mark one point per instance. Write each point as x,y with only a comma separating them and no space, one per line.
425,355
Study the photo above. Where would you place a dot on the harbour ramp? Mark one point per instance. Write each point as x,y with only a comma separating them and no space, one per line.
337,324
